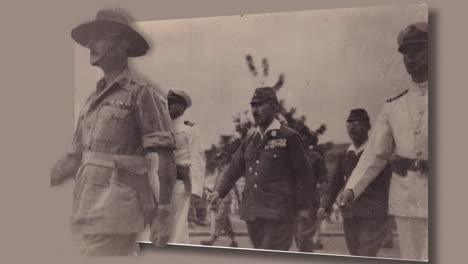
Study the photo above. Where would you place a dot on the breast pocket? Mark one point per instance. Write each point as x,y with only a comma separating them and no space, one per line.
115,124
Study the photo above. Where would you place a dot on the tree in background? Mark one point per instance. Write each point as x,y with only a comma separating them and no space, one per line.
243,123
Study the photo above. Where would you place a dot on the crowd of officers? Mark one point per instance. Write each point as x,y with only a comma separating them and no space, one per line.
136,163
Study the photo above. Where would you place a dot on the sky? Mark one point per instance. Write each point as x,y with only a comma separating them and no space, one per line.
333,61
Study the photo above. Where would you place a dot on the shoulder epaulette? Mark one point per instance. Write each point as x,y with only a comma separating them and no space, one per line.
188,123
396,97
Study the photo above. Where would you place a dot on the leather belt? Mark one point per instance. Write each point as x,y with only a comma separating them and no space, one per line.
401,165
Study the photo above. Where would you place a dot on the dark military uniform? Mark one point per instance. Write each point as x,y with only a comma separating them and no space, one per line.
277,184
365,222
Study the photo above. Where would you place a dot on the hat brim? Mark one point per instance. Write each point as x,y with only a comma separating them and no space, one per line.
405,45
88,31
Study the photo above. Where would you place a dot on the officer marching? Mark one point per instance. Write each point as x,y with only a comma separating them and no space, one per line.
401,139
365,221
122,121
278,182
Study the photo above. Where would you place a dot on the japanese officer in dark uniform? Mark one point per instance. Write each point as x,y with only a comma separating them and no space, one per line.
365,221
277,172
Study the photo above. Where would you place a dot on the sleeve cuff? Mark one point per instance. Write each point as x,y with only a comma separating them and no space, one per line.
159,140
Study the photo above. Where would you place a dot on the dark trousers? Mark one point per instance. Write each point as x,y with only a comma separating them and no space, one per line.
364,235
274,234
305,231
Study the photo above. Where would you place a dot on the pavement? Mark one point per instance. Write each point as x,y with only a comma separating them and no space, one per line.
332,238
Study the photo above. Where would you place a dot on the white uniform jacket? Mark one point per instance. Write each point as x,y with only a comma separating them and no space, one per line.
401,129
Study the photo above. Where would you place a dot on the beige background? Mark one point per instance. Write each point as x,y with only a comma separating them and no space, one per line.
37,114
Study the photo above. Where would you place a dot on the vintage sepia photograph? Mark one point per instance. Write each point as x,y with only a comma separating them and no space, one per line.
302,131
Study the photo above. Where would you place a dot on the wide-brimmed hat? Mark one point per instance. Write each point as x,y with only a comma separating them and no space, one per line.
107,21
414,33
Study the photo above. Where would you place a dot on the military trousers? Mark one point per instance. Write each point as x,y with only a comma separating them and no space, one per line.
109,245
180,204
273,234
306,227
365,235
412,237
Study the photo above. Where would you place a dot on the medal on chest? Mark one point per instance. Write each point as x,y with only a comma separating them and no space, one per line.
276,143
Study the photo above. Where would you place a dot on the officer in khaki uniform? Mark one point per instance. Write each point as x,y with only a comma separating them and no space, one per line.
278,182
122,121
400,138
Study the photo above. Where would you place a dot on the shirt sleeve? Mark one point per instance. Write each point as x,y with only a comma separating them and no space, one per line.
375,157
153,120
197,168
234,171
302,169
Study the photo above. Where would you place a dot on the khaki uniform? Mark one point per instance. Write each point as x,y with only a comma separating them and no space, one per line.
118,122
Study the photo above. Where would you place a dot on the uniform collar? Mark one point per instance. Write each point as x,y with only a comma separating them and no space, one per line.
275,125
419,88
122,79
178,121
357,151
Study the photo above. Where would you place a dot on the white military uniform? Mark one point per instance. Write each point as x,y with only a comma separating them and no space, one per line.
401,129
189,152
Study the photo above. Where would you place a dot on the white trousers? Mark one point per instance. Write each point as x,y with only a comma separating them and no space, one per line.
413,237
180,204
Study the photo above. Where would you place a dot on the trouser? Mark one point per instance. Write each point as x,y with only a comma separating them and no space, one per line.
305,231
180,204
220,218
274,234
364,235
109,245
413,237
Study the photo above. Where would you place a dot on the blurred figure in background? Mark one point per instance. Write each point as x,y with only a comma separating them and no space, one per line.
190,163
308,229
219,211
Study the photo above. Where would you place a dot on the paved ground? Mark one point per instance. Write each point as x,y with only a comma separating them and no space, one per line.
332,239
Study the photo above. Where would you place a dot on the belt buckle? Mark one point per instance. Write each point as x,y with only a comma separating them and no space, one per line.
419,168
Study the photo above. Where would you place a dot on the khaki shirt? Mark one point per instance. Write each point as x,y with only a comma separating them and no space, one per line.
119,121
401,129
